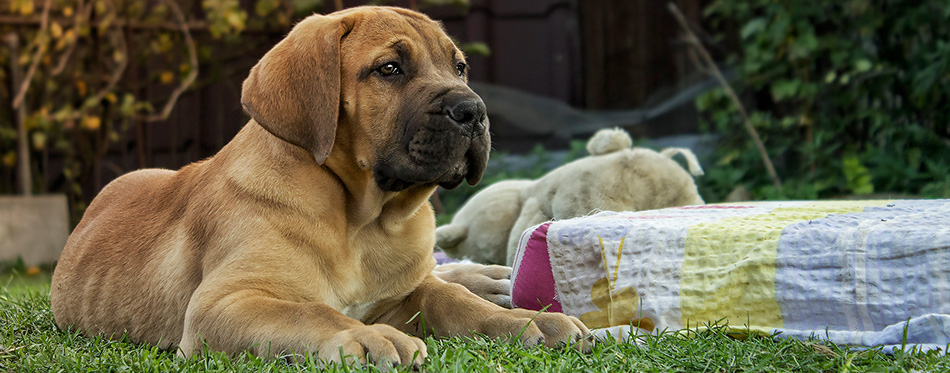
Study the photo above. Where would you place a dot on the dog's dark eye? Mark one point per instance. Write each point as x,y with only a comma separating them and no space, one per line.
390,68
460,68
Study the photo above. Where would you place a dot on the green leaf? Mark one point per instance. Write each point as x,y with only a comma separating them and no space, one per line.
306,6
788,122
476,49
784,89
264,7
858,177
704,101
90,102
803,46
754,26
913,158
128,105
830,77
39,140
863,65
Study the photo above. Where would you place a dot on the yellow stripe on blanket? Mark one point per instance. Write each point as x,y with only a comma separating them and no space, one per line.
729,265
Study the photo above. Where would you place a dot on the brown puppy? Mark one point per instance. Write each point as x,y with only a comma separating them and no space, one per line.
310,232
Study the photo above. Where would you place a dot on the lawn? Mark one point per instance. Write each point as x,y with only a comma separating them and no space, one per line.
30,341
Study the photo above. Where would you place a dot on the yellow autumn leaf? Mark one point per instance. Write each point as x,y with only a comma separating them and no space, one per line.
68,11
64,114
9,159
236,19
26,7
282,19
163,44
184,68
91,122
61,44
167,77
81,87
111,97
101,7
136,9
105,23
264,7
56,30
39,140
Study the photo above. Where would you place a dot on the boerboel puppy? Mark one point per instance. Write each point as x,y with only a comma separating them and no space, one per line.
310,232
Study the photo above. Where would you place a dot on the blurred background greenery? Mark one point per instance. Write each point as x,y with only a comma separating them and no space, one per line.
850,97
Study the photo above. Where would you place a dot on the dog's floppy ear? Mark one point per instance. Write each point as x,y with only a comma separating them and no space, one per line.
294,90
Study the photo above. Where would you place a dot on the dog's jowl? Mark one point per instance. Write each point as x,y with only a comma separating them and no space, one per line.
310,232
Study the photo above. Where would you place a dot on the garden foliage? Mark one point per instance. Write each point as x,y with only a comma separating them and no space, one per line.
850,97
96,70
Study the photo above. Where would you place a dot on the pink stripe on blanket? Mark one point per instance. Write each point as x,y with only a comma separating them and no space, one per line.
533,289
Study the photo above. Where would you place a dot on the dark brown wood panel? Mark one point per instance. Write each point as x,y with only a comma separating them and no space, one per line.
630,50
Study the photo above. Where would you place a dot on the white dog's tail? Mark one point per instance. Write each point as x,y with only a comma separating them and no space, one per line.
694,167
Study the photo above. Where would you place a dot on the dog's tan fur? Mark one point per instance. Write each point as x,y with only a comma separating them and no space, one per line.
285,240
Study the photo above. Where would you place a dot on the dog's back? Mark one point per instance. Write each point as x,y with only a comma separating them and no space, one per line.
130,214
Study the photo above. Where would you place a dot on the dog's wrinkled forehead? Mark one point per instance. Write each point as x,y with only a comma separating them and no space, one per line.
409,38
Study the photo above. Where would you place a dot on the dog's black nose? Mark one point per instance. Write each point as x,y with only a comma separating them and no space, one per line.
468,112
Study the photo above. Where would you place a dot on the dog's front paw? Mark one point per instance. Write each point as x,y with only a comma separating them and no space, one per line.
487,281
378,344
552,329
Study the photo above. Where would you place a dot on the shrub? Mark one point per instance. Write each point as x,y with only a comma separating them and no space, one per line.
850,97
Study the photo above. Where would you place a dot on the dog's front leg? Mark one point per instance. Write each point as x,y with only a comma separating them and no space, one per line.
256,321
446,309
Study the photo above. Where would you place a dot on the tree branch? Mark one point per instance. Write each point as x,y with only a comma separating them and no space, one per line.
710,66
133,25
82,13
192,75
30,21
119,40
37,56
22,152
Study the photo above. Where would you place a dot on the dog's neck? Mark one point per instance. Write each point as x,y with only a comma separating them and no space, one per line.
293,168
366,203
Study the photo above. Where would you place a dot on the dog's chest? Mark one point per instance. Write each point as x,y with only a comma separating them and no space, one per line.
384,271
365,296
359,311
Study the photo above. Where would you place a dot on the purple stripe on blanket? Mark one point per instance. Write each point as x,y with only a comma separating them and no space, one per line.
442,258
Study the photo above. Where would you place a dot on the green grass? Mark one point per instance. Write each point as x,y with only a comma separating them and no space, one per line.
30,341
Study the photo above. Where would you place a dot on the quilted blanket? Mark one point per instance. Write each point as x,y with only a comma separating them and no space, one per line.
859,273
